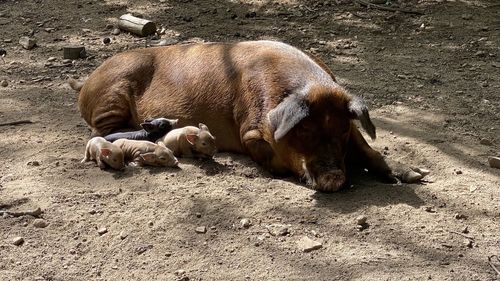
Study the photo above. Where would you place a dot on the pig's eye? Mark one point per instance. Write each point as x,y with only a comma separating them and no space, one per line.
204,143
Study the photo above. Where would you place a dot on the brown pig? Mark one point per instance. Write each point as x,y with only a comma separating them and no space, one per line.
104,152
147,153
267,99
190,141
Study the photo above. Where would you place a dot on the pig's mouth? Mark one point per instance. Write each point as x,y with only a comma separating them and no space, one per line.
324,177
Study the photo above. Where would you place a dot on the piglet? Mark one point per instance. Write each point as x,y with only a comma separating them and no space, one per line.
104,152
152,129
190,141
147,153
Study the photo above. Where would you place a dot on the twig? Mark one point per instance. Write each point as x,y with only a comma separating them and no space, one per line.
16,122
36,213
368,4
492,265
463,235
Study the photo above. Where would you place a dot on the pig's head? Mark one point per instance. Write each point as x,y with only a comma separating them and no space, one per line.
316,126
113,156
203,143
162,156
159,126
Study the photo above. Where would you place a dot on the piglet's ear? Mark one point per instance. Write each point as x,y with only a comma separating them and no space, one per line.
106,152
148,127
191,138
149,157
359,110
287,114
203,127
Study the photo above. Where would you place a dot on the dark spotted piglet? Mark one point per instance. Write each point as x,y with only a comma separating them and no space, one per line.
152,129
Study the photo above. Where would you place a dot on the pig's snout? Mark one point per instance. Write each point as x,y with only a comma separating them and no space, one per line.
325,176
330,181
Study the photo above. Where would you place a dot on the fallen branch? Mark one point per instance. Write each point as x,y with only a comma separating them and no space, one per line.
463,235
492,265
368,4
16,123
36,213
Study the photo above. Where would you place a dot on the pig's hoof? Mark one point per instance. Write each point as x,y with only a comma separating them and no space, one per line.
423,172
411,177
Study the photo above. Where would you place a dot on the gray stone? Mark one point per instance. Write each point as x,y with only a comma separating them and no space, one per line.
246,223
494,162
277,229
102,231
18,241
360,220
201,229
40,223
307,245
4,83
27,42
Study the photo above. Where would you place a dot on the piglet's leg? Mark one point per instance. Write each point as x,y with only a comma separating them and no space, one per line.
262,152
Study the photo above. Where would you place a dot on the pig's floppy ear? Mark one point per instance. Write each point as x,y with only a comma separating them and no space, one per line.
358,109
149,157
191,138
106,152
287,114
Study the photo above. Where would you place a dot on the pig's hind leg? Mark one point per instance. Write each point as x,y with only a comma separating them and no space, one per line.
117,112
262,152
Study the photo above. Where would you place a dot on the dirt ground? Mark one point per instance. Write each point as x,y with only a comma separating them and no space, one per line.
433,85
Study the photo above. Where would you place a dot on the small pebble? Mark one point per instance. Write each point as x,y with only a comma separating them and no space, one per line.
52,59
458,172
102,231
40,223
467,16
429,209
277,229
7,40
180,272
116,31
245,223
485,142
201,229
4,83
109,26
494,162
18,241
360,220
459,216
198,215
150,223
123,235
468,243
106,40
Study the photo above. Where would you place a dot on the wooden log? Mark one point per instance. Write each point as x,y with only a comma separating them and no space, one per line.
141,27
74,52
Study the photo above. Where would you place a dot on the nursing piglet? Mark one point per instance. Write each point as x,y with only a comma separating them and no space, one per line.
104,152
190,141
152,129
147,153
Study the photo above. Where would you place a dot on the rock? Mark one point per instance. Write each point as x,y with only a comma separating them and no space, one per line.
164,42
106,40
423,172
494,162
40,223
486,142
52,59
4,83
109,26
277,229
7,40
116,31
360,220
458,172
33,163
18,241
201,229
198,215
459,216
123,235
480,54
245,223
180,272
142,248
465,230
468,243
27,42
307,245
467,16
74,52
67,62
429,209
102,231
